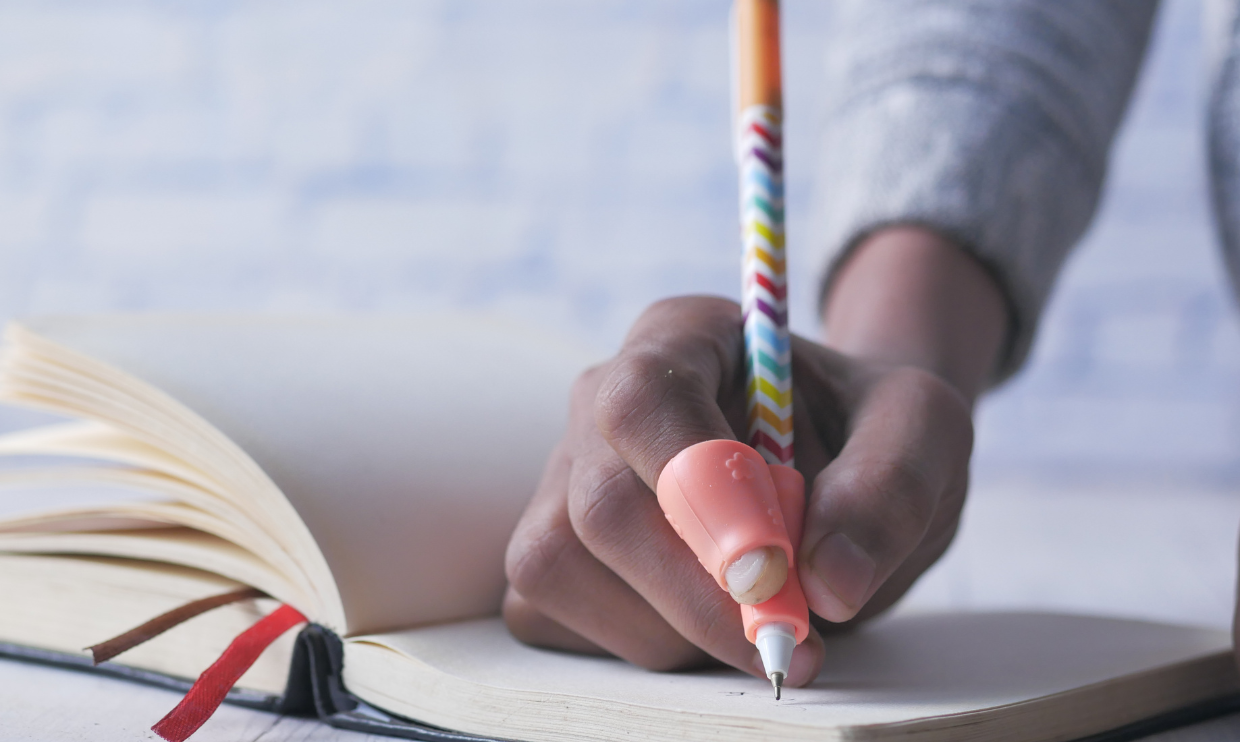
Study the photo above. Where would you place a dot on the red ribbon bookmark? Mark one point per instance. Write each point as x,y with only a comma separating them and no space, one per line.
214,683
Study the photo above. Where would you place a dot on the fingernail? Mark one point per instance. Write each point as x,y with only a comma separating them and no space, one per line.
845,571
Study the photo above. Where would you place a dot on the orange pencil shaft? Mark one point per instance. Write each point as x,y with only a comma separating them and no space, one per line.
757,54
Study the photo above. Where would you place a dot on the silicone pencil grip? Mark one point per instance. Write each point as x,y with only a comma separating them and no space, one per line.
724,500
788,605
720,498
790,489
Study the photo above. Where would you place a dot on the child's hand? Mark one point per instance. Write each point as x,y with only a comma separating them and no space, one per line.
593,564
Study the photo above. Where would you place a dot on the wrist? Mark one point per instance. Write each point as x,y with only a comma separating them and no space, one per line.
906,295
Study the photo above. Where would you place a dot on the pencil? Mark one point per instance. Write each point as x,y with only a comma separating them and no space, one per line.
743,519
764,284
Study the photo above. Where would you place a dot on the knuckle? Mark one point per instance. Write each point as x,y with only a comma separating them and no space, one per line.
661,308
651,395
602,501
633,388
533,560
711,626
667,659
668,653
585,387
703,309
519,617
938,400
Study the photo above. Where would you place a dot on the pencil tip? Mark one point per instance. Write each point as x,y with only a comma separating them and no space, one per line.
777,680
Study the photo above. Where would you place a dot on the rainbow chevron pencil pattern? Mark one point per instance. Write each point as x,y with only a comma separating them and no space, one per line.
764,294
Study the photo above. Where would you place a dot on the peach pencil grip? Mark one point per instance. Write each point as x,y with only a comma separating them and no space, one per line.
724,501
788,605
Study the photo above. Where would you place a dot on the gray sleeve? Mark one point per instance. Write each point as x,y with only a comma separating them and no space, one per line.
988,121
1224,129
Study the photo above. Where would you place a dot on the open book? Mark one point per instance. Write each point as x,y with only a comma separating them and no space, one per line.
367,472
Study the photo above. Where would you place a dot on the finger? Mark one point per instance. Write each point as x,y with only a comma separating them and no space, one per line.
555,574
894,587
618,519
902,470
824,381
806,662
662,393
532,626
937,539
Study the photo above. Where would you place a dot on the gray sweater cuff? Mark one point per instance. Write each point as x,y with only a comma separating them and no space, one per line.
988,122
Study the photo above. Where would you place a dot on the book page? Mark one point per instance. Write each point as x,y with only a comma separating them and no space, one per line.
923,672
396,440
68,603
168,545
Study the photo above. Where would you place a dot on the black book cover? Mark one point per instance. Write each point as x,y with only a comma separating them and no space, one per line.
314,688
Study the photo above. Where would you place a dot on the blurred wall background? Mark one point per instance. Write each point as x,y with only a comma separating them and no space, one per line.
568,163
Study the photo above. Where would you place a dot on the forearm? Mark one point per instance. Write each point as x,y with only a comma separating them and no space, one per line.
986,120
906,295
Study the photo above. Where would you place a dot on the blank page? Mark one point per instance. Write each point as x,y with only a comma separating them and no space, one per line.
397,440
895,671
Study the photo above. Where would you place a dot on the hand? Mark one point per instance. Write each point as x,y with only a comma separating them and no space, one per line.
595,567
